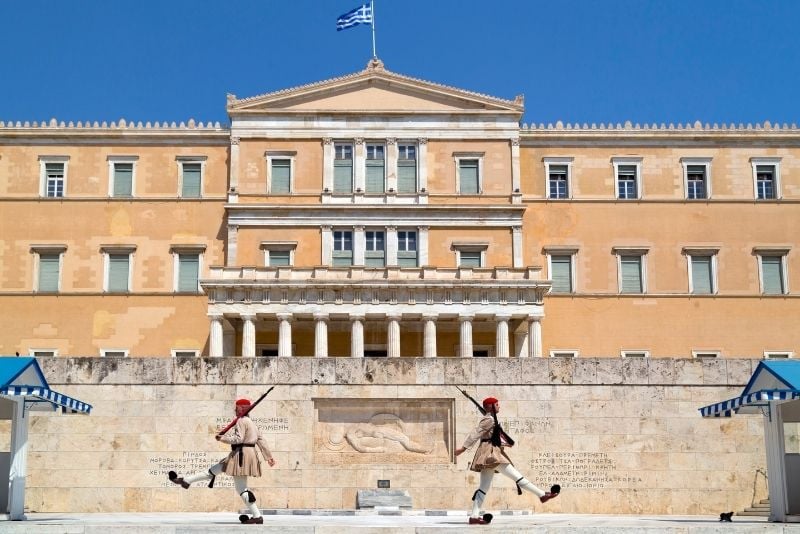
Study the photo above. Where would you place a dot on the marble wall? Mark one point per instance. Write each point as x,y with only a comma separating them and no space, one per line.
619,435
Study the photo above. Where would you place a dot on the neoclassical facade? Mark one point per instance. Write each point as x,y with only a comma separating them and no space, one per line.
377,214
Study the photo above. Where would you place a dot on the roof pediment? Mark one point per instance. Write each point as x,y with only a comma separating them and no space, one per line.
373,90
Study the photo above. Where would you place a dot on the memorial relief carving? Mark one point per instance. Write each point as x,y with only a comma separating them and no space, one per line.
372,431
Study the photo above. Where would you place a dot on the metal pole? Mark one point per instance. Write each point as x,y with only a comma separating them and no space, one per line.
372,9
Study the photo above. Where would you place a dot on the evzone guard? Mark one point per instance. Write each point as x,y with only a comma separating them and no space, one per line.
490,458
242,461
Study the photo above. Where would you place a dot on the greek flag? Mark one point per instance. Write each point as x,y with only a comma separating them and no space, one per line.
360,15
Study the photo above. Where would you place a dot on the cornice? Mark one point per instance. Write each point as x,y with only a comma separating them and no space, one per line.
121,129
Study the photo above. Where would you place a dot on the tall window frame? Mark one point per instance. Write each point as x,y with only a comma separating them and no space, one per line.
558,177
407,167
112,261
470,254
186,168
375,168
627,177
42,275
467,163
343,167
696,178
275,249
630,261
765,188
407,247
702,270
278,163
179,276
375,248
342,248
53,174
119,190
773,276
557,257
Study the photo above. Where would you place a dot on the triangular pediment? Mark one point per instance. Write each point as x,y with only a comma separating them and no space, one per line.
373,90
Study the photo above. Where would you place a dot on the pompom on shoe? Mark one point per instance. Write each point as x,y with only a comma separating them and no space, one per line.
175,479
247,520
485,519
552,494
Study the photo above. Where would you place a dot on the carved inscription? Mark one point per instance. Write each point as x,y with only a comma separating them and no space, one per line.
186,463
582,470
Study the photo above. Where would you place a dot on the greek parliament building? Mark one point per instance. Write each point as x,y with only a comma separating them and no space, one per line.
604,281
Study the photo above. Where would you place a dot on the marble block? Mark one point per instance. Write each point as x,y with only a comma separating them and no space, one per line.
383,498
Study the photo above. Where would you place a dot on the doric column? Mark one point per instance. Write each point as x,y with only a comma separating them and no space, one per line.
357,336
516,246
320,335
284,335
465,336
501,343
521,344
534,336
430,336
248,335
215,336
393,336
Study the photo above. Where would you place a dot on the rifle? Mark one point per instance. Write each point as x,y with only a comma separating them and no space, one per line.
235,419
497,428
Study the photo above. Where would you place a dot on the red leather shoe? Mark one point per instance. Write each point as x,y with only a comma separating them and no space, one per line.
477,521
175,479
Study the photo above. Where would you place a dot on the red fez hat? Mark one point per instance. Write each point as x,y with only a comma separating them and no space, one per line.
489,400
242,402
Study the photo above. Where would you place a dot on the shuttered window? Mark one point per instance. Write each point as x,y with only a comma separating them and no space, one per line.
118,272
280,258
374,253
49,265
468,176
406,248
343,168
376,169
123,180
342,248
407,169
561,273
280,176
772,275
470,258
188,272
702,275
191,179
631,274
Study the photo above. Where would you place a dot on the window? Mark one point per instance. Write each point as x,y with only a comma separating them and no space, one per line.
697,178
469,166
778,354
376,168
280,166
470,254
188,273
407,168
48,267
375,254
563,353
632,272
278,253
114,353
43,353
558,177
702,265
406,248
772,271
561,272
635,354
627,171
185,353
191,176
342,248
117,269
53,176
343,168
707,354
766,177
121,171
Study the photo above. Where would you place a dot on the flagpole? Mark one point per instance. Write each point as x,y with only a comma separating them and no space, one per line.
372,9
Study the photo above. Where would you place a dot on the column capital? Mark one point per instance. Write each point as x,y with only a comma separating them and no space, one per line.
465,318
359,140
430,316
248,316
235,140
318,316
534,318
357,317
515,141
285,317
391,141
394,316
422,140
502,316
327,140
215,316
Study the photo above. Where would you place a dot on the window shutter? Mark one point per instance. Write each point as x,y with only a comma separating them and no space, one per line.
280,176
48,272
342,258
343,176
701,275
188,272
279,257
468,176
191,180
771,269
631,267
407,176
375,176
561,273
470,258
118,267
123,180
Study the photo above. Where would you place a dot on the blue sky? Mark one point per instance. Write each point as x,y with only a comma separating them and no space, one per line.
574,60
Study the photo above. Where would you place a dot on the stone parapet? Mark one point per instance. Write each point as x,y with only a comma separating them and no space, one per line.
398,371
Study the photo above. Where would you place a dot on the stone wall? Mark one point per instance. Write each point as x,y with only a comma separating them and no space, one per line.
619,435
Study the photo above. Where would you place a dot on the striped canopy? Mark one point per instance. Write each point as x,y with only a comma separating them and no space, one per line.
753,401
22,377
